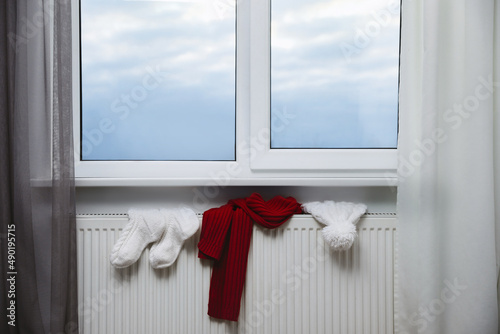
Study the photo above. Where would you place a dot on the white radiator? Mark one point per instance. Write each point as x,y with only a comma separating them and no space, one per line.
293,284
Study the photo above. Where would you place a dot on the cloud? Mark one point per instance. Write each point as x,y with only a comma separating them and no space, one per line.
195,47
338,103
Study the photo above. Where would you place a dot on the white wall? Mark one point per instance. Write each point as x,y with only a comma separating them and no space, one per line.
118,199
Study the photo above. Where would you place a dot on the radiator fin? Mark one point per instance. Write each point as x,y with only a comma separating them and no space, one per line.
294,284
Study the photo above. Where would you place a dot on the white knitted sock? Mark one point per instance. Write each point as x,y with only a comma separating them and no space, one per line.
182,223
144,227
340,218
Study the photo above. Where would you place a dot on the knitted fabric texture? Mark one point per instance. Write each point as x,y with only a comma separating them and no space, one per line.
166,228
180,225
143,228
340,219
226,233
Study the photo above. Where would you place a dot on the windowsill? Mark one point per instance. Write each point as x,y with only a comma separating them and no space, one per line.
389,181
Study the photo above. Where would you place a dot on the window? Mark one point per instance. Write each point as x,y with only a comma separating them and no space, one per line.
253,90
157,81
334,68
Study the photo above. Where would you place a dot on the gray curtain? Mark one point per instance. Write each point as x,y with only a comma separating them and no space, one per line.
37,207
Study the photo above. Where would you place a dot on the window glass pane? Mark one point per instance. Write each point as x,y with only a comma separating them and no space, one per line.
334,73
158,80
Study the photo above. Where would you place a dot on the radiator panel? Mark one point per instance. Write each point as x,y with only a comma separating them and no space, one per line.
294,283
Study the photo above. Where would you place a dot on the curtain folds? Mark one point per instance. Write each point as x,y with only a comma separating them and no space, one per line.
449,180
36,168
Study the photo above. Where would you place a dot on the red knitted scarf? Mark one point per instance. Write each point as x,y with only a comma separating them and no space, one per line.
225,237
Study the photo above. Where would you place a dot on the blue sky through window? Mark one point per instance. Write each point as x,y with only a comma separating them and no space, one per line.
158,80
158,77
334,72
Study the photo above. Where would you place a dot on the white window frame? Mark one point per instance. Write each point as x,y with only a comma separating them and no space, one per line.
256,163
359,162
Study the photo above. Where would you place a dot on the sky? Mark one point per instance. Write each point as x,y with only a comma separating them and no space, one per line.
335,67
158,77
